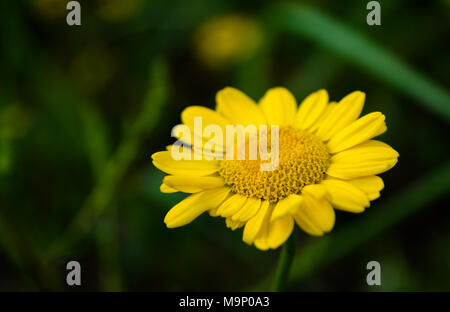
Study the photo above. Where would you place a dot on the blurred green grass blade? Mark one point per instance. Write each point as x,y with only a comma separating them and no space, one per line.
98,145
154,100
309,23
99,199
373,222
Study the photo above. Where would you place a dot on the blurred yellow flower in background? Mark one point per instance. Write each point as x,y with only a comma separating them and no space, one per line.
327,158
227,40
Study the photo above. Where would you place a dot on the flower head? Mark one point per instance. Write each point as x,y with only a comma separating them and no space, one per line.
326,159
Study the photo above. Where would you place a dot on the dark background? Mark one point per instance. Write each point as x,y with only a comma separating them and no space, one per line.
82,108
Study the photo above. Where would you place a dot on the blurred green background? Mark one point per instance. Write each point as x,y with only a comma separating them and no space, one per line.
82,108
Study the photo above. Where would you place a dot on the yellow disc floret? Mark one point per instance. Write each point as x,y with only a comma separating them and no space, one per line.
303,160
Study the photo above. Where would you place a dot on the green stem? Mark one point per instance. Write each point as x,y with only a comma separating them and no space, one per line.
284,264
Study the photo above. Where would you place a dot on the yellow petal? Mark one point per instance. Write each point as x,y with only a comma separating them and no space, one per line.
261,240
164,162
279,106
190,184
359,131
311,109
306,225
209,118
253,226
238,108
233,224
200,153
231,205
328,110
249,209
345,112
191,207
369,158
279,231
286,206
374,148
345,196
318,213
371,186
315,190
167,189
190,152
213,212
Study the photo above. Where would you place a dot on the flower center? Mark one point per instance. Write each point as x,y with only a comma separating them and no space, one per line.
303,160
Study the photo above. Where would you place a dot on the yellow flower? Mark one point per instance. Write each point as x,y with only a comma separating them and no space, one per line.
327,159
227,40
